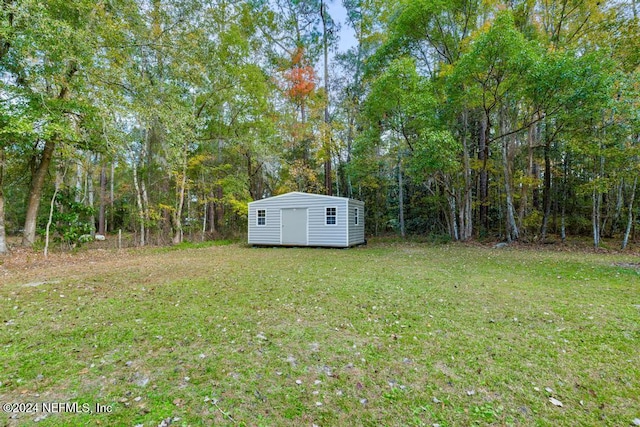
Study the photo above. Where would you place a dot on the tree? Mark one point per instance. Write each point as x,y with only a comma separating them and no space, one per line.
434,34
49,51
490,76
329,36
402,105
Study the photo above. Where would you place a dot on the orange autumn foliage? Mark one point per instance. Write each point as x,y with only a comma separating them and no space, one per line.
301,78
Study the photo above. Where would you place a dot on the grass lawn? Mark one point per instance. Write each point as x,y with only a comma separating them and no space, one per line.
388,334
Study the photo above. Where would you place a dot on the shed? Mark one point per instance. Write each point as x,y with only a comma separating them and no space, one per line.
303,219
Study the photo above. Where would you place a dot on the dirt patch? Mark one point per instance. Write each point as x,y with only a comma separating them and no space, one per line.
35,284
33,269
632,265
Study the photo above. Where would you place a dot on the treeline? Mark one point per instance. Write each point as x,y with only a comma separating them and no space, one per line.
509,119
461,119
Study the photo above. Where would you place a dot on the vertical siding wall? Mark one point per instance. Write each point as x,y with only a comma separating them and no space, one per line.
268,234
356,232
320,234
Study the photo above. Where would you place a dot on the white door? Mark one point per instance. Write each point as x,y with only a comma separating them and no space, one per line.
294,226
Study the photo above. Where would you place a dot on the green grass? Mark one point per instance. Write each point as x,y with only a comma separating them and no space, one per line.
388,334
192,245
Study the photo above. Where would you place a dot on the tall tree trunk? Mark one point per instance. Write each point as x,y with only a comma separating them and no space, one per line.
35,193
327,131
91,194
182,185
524,192
141,215
338,178
111,198
306,149
466,207
219,194
401,198
595,215
79,182
351,124
219,205
252,192
211,213
627,232
41,170
3,235
204,221
511,228
597,205
58,184
546,192
256,179
565,195
483,156
452,222
145,209
102,218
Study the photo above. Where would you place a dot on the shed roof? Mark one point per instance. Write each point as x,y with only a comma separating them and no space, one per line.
303,194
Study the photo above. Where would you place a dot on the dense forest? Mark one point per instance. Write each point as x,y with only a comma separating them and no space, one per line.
457,119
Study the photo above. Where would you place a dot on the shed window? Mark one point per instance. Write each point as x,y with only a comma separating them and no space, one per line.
331,216
355,218
261,217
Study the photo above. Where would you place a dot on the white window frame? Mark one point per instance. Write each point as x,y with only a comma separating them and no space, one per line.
327,216
258,217
356,216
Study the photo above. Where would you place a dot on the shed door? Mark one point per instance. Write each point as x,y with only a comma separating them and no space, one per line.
294,226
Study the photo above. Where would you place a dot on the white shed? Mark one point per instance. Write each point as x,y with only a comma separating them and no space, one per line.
303,219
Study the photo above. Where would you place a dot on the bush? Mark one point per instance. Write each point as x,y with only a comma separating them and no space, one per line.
71,221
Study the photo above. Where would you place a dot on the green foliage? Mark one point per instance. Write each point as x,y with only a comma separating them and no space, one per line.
418,25
71,220
400,95
531,223
495,66
435,151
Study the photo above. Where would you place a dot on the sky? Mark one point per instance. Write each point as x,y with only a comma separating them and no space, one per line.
347,35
